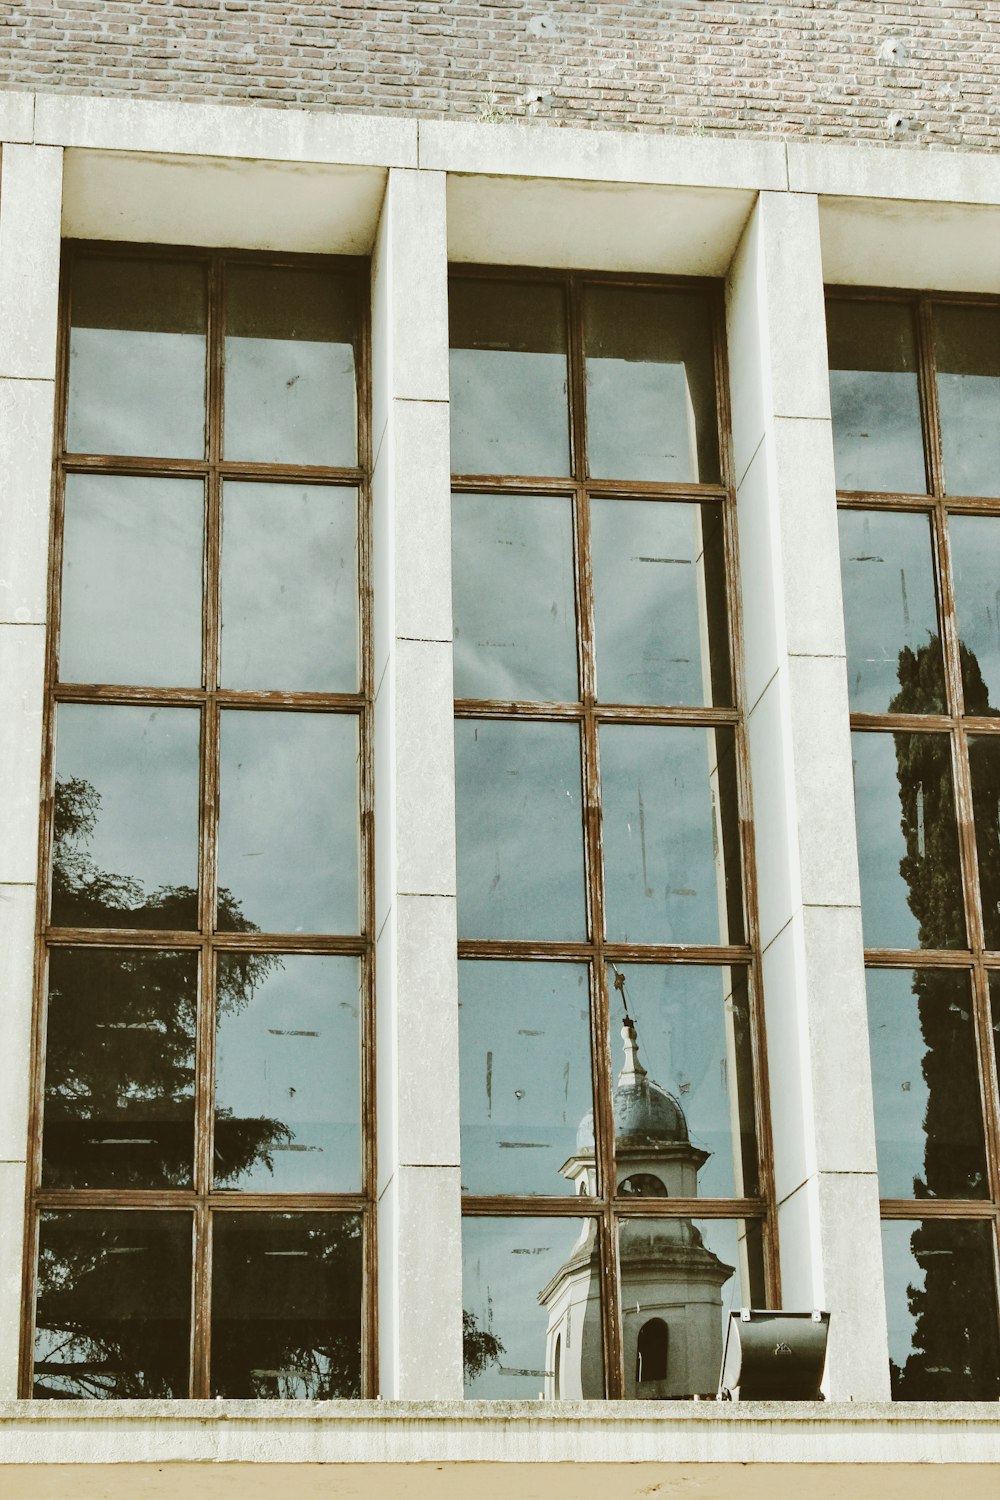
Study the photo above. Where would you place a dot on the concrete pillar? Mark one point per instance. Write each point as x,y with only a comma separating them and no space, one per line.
796,682
419,1220
30,210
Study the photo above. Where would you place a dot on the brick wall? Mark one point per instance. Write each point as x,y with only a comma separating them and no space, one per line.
924,72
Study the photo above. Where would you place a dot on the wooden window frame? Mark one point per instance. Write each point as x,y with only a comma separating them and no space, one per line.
202,1201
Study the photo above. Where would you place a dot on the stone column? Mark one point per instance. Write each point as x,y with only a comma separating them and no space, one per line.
30,209
419,1218
796,694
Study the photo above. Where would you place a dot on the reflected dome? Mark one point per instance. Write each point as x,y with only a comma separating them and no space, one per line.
645,1114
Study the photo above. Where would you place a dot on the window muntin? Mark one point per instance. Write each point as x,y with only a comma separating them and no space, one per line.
919,593
204,1069
599,753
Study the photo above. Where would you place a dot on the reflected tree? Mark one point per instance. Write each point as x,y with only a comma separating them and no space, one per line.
480,1349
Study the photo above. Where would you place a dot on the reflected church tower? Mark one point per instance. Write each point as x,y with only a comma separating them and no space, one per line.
671,1284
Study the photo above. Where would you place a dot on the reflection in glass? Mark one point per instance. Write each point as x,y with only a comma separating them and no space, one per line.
928,1117
519,830
137,358
967,349
890,613
911,883
125,833
509,405
659,602
682,1060
524,1030
290,366
874,394
131,581
512,582
650,385
288,820
984,764
678,1279
519,1277
286,1306
941,1300
119,1069
113,1309
671,834
289,588
287,1074
975,547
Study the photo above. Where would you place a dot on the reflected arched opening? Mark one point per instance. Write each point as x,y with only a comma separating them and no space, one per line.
557,1366
651,1351
642,1185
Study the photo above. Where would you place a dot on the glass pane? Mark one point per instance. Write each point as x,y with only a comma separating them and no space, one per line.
984,763
679,1278
529,1287
286,1306
137,359
967,348
659,602
288,822
289,588
290,367
509,403
928,1116
671,834
119,1069
975,562
911,880
941,1300
513,590
113,1311
890,613
519,830
683,1091
525,1072
288,1073
146,534
125,840
650,385
874,394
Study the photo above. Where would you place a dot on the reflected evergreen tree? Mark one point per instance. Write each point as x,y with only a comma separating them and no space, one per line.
479,1348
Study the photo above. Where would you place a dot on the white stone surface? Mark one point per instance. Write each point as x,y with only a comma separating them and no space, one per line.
17,962
30,197
421,1351
821,751
11,1256
950,247
22,661
775,807
865,171
761,580
17,116
426,964
806,516
424,769
26,420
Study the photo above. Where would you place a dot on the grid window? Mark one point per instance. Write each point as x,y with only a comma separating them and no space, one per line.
915,385
615,1180
203,1151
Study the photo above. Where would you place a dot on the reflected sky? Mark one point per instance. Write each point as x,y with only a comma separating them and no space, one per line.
967,346
874,397
975,549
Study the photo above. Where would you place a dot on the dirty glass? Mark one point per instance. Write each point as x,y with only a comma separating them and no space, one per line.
289,588
671,834
521,1280
911,884
290,374
975,562
508,381
941,1301
650,385
519,830
288,822
286,1306
875,398
967,350
287,1073
119,1069
513,596
125,828
984,764
524,1030
928,1114
894,661
137,358
113,1310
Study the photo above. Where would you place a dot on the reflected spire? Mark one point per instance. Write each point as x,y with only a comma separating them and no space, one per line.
633,1073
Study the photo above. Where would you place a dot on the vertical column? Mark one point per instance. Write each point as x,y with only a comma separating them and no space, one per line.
30,209
809,894
419,1221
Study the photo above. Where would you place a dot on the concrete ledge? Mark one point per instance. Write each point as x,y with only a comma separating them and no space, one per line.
894,172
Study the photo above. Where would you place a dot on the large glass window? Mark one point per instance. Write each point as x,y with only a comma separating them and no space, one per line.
915,384
202,1184
615,1192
